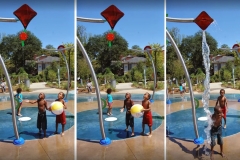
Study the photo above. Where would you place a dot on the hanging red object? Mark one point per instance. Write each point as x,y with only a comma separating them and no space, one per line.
61,47
23,36
110,37
112,14
203,20
148,48
25,14
236,47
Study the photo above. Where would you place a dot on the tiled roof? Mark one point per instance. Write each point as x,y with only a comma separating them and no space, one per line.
135,60
47,59
222,59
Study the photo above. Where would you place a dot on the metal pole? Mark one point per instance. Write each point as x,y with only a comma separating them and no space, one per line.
96,86
67,72
180,20
144,73
233,77
58,79
189,82
154,73
8,19
93,20
11,98
61,50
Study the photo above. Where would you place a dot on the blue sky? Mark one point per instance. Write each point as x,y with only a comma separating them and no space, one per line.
142,24
53,24
226,14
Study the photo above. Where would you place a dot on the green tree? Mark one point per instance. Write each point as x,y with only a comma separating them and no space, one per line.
191,47
138,76
237,72
227,75
158,60
52,76
11,48
97,48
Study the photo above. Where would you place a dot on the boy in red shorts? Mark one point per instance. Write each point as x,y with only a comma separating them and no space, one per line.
62,117
223,104
147,116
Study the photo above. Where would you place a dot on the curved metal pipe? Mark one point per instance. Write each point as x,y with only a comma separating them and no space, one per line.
67,66
67,72
11,98
93,20
8,19
181,20
189,82
96,86
154,71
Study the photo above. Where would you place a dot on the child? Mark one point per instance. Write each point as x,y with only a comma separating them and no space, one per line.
216,130
181,89
147,116
128,103
223,104
62,117
109,101
42,118
3,85
20,100
89,86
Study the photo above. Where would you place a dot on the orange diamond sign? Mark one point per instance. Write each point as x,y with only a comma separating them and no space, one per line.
203,20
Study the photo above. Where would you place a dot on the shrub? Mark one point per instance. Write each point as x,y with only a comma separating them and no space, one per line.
34,80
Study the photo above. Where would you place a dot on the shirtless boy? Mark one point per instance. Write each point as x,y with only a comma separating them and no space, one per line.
222,100
216,130
42,118
128,103
147,116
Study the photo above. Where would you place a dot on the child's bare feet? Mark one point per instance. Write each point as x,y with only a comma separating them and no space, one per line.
225,126
62,134
211,156
132,134
149,135
223,155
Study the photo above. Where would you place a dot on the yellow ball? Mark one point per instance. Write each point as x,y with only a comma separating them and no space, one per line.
136,110
56,107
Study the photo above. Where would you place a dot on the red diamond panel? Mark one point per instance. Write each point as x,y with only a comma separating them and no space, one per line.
112,14
25,14
203,20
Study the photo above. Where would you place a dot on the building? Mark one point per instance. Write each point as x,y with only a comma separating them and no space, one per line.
129,62
44,61
220,61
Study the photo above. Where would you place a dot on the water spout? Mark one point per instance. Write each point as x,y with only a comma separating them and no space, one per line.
206,93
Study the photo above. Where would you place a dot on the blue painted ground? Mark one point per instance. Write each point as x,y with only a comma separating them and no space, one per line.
28,130
34,96
88,128
230,97
134,97
180,123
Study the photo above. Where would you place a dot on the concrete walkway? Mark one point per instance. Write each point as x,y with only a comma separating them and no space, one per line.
40,87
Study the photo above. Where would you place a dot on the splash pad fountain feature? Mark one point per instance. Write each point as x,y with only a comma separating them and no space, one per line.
203,21
112,16
25,15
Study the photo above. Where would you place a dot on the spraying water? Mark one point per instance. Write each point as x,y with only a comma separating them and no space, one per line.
206,93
